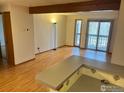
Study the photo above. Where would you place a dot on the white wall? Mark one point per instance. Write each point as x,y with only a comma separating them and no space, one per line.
43,31
118,51
85,16
23,40
5,7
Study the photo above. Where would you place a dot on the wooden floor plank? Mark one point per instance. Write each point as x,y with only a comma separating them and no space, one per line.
22,77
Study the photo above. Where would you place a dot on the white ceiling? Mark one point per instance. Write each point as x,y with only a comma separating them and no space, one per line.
30,3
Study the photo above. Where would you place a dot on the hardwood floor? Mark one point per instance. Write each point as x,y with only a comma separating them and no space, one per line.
3,64
22,77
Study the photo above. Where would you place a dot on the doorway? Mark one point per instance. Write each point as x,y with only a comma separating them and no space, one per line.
54,38
99,35
8,40
3,57
77,34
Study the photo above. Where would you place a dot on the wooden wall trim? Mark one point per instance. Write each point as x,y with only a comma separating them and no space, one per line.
77,7
8,38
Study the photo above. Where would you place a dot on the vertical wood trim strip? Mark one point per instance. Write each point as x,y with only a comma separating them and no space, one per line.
8,38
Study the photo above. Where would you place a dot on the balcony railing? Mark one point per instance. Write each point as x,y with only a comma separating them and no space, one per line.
102,42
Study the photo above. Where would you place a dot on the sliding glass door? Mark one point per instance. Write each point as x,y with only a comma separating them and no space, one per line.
98,35
77,34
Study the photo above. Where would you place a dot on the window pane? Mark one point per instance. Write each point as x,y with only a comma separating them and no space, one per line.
78,26
102,43
103,35
93,28
104,28
92,40
92,35
77,40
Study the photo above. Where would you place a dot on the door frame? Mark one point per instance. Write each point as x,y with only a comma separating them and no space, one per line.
75,32
109,37
6,18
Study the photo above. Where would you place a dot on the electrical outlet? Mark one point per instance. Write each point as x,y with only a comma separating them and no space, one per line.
38,48
28,29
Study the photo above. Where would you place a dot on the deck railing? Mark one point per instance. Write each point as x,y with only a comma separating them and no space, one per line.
102,41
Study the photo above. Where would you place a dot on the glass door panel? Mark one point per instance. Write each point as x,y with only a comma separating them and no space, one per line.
92,35
78,26
103,36
77,40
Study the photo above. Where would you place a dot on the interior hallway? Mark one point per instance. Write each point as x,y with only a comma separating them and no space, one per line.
22,77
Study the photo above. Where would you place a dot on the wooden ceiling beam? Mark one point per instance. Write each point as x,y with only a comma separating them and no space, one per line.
77,7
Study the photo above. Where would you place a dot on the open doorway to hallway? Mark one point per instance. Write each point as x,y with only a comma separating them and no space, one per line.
6,41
